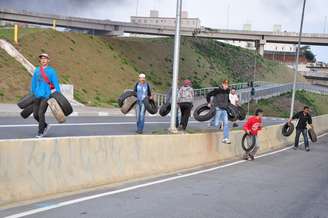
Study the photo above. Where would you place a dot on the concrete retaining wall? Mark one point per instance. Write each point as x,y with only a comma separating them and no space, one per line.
36,168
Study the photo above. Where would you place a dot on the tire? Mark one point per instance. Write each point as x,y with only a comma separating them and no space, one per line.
245,145
56,110
165,109
150,105
125,95
287,129
128,104
312,135
25,101
63,103
241,113
233,112
200,109
27,111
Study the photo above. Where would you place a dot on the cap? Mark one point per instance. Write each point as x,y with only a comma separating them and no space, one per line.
142,76
225,81
44,55
187,82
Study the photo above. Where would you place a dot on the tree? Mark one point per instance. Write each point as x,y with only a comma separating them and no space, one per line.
306,51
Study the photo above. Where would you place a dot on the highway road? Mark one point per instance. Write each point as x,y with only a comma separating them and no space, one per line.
281,184
17,128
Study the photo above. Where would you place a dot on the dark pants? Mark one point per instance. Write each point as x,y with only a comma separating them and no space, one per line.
39,110
185,108
305,136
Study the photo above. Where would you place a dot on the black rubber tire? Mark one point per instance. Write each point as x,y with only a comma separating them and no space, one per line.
233,112
128,104
125,95
63,103
27,111
165,109
287,129
241,113
25,101
200,109
150,105
244,143
312,135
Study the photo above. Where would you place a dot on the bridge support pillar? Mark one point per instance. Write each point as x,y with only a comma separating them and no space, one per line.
260,47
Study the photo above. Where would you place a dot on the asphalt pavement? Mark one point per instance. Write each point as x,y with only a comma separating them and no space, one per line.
283,184
18,128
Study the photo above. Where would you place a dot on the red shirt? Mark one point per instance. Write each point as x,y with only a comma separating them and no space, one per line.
253,124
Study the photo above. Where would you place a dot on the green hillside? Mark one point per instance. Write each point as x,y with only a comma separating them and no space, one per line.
101,68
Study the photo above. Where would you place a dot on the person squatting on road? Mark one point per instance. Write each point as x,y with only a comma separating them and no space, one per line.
44,82
142,88
220,101
185,102
234,100
304,117
252,126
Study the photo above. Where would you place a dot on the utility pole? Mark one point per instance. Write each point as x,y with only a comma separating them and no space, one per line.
176,62
297,61
137,8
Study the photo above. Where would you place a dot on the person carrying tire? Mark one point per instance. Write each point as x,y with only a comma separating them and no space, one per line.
44,82
252,126
142,88
234,100
185,102
304,117
220,101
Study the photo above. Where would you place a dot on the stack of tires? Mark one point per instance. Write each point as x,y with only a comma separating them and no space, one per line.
204,113
129,99
26,104
60,106
57,102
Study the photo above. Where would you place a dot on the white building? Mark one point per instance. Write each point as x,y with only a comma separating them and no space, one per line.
269,47
155,20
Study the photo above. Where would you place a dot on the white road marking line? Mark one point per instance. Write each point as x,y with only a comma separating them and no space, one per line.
91,197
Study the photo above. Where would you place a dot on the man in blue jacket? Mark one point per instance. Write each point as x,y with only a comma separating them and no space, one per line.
44,82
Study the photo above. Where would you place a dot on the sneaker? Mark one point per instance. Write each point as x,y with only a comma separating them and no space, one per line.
307,149
235,125
245,157
39,135
139,132
226,141
295,148
251,156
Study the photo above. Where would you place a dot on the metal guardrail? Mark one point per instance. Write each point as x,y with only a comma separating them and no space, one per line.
264,90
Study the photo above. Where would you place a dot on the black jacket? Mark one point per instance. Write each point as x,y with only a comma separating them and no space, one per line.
303,120
220,97
148,89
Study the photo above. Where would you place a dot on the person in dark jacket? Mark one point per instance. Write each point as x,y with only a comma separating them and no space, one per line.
220,101
304,118
142,88
41,90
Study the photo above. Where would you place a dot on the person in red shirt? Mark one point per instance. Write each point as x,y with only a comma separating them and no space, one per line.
252,127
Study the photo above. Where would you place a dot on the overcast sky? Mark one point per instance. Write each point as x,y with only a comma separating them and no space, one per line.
261,14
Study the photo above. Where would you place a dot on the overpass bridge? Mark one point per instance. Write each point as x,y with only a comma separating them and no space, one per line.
117,28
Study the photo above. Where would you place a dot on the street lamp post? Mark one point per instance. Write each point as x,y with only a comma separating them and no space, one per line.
297,61
176,67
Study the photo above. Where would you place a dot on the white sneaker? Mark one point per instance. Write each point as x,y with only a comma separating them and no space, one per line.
226,141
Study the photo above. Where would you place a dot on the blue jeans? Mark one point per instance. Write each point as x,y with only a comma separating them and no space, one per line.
305,136
222,116
140,110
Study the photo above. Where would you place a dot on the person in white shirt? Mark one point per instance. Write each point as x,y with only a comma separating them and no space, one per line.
234,99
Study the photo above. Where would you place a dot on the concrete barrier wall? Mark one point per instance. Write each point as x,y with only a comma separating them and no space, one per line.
32,168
